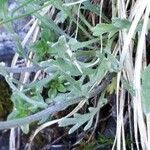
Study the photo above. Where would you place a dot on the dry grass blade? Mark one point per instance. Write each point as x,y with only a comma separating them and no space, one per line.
137,11
132,29
137,80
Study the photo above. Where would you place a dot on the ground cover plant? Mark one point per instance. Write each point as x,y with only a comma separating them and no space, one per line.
79,58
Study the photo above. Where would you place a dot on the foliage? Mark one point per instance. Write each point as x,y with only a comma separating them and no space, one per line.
65,60
112,87
145,90
73,54
79,119
112,28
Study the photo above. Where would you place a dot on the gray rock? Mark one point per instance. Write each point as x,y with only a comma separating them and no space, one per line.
7,43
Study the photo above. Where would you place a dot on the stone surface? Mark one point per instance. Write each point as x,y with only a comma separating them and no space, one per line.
7,43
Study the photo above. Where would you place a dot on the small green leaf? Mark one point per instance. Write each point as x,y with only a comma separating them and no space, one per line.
75,84
104,66
61,17
128,86
61,88
25,128
52,93
20,108
102,28
112,86
121,23
40,48
61,47
47,35
114,62
74,128
89,124
67,67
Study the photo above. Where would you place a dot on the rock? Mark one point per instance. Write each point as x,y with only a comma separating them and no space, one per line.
7,43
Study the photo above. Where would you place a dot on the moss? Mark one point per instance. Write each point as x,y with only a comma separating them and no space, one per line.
5,102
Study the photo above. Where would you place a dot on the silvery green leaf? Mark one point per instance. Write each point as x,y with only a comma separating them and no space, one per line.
89,124
114,62
146,90
74,128
128,86
121,23
52,92
75,45
25,128
67,67
61,16
103,67
103,28
80,119
61,88
44,119
75,84
60,46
